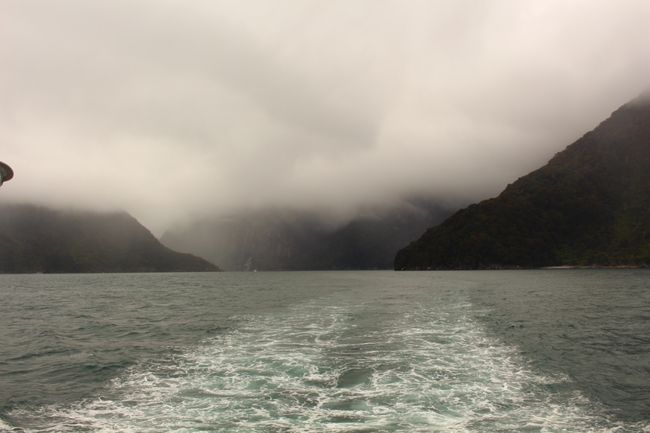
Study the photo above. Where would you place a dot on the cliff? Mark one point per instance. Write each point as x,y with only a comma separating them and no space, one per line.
284,239
590,205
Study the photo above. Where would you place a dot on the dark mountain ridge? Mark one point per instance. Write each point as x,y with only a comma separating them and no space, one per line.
285,239
590,205
38,239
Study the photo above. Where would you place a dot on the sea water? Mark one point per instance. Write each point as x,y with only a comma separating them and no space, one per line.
498,351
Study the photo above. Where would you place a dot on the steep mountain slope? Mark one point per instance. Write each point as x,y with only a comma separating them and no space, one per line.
37,239
590,205
293,240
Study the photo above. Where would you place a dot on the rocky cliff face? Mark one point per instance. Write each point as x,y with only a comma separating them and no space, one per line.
590,205
38,239
281,239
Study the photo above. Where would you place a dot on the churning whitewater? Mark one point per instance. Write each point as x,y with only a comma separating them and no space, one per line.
352,352
311,370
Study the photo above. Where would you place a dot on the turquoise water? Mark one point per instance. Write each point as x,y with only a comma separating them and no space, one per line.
534,351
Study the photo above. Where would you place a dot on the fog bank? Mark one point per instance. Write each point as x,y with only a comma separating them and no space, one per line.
172,110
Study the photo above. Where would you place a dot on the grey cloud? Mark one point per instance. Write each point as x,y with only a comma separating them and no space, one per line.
171,109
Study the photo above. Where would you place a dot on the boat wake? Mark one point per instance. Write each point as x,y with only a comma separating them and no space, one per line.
336,369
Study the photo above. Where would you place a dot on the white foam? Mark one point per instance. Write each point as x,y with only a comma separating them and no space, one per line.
6,428
434,369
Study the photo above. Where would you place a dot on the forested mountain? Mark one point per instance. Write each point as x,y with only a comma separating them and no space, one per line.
590,205
282,239
38,239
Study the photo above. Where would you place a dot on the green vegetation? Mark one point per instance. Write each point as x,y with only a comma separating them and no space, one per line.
37,239
590,205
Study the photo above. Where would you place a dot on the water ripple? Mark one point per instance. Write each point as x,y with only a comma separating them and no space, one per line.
320,368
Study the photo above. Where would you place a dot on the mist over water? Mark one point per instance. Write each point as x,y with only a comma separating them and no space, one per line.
340,127
174,112
344,351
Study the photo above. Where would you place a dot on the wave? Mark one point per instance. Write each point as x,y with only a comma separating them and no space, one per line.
338,369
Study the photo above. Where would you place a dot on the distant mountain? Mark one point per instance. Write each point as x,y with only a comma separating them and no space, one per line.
590,205
38,239
294,240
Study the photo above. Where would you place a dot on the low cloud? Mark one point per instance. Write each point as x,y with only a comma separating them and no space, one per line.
173,109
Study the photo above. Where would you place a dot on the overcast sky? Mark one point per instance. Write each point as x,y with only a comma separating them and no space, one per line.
175,108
